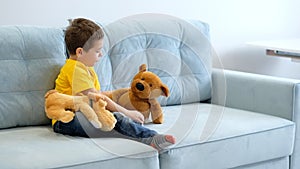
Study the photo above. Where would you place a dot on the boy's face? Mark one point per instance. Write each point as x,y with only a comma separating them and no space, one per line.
90,57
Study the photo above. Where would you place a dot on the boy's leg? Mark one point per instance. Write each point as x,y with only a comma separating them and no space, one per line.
81,127
125,127
73,128
142,134
93,132
128,127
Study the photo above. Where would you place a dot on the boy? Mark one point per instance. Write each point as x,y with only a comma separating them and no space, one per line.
84,41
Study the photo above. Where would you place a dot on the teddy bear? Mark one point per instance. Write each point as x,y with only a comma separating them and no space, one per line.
142,95
61,107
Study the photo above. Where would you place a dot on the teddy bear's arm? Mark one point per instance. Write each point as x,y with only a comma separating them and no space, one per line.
117,94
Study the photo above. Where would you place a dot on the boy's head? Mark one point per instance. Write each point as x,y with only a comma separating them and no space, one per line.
82,33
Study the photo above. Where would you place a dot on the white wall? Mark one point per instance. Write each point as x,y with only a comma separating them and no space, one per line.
232,22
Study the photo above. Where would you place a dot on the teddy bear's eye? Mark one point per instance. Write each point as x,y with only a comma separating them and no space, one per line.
142,78
150,85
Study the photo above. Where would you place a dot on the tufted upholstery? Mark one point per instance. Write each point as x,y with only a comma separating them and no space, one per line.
177,50
32,57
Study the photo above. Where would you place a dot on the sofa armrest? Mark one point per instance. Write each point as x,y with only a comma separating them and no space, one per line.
260,93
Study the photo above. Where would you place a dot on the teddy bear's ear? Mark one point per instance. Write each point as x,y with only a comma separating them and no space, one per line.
143,68
165,90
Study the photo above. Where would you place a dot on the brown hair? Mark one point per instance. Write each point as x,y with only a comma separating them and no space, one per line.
82,33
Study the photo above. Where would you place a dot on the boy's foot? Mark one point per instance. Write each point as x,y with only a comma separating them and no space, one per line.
161,142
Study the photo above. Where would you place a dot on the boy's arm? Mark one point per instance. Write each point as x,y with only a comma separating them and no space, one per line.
107,93
114,107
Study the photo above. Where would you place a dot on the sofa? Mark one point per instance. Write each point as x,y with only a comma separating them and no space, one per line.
220,118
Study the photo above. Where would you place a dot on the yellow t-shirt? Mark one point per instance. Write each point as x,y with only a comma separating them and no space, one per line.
75,77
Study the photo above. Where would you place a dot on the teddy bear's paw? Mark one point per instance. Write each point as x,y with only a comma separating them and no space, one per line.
67,117
108,126
96,124
108,122
159,120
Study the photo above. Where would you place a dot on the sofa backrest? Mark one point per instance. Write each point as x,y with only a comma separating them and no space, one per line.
30,59
178,51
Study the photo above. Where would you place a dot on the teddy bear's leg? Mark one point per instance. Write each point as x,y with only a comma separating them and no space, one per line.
90,114
67,116
107,118
60,114
159,119
156,112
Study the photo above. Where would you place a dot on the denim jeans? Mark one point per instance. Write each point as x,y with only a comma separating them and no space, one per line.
128,127
125,127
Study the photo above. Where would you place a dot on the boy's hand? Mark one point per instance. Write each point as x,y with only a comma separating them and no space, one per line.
136,116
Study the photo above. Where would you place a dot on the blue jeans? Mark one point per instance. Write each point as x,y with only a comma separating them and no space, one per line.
125,127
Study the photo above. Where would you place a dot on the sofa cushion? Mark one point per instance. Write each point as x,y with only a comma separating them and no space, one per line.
176,50
30,59
218,137
40,147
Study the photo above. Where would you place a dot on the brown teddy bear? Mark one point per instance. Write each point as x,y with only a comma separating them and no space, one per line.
61,107
145,88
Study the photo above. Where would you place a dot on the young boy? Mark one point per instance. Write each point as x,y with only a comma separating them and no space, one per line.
84,41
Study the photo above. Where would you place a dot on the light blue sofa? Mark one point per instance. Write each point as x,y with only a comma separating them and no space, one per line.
221,118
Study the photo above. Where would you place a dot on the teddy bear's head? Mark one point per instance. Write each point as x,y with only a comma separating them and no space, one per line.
147,85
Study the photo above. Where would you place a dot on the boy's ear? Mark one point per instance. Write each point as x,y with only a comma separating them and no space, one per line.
79,51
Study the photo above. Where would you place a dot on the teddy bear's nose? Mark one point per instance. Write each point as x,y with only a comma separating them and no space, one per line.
139,86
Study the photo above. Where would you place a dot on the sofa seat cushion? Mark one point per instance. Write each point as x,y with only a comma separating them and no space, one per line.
211,136
40,147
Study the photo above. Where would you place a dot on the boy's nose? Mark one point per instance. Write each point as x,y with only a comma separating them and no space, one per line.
100,54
